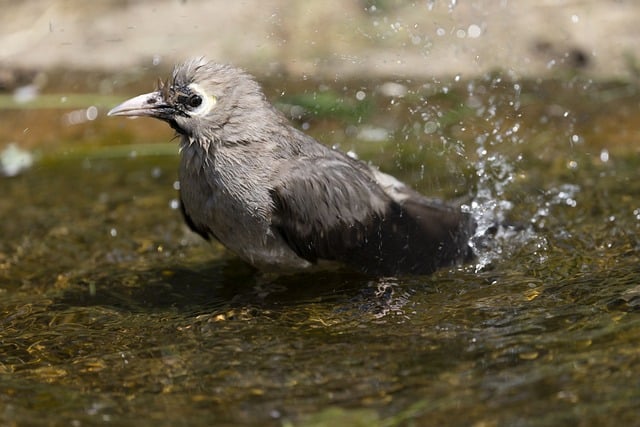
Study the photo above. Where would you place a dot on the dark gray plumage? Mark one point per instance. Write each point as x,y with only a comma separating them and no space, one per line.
281,200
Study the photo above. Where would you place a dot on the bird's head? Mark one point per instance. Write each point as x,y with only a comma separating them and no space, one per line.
202,101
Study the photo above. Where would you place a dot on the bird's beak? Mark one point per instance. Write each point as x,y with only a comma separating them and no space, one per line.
150,105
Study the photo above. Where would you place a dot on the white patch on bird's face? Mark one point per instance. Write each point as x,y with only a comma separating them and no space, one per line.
208,101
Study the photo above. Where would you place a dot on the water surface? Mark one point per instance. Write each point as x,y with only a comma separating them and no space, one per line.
112,311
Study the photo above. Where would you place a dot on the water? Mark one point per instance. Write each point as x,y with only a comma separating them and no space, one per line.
113,312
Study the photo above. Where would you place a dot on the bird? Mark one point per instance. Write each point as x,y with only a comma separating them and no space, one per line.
281,200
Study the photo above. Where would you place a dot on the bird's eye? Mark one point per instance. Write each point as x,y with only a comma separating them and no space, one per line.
194,101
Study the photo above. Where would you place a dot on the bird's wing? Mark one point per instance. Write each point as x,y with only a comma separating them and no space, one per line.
335,209
325,207
203,232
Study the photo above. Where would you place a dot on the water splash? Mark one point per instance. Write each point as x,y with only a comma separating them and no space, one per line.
489,207
385,297
564,194
497,237
495,169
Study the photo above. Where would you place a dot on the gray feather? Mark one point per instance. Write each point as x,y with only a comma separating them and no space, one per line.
281,200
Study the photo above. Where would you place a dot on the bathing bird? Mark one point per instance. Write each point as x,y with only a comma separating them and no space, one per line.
281,200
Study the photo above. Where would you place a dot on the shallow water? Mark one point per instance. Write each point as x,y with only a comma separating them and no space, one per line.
112,311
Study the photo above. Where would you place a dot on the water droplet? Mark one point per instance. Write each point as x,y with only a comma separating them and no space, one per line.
430,127
25,93
474,102
76,117
474,31
393,89
14,160
91,113
275,414
360,95
604,155
396,27
368,133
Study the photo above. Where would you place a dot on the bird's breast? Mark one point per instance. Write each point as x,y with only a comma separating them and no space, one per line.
231,202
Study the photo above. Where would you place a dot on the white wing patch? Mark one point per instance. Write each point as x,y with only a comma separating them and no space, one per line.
395,189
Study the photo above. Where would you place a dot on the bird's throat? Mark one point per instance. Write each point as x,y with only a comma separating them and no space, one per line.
197,154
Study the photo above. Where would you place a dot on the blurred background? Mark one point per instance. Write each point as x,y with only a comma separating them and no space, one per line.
334,37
